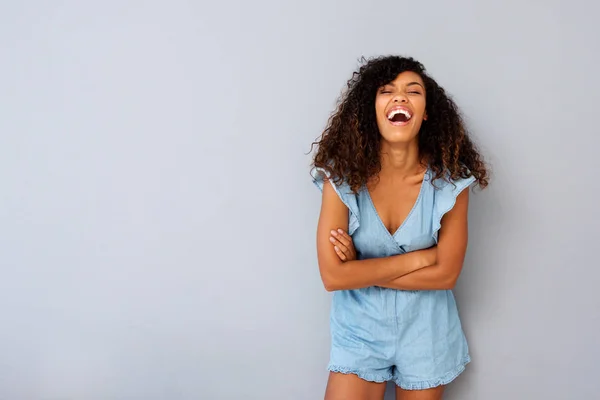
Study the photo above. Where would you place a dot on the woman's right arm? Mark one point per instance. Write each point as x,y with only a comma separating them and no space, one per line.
338,275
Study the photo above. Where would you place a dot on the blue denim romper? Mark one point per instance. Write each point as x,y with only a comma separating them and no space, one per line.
413,337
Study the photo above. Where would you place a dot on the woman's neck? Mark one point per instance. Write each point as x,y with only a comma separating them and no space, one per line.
400,159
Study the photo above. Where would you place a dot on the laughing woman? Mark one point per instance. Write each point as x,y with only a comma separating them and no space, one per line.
393,165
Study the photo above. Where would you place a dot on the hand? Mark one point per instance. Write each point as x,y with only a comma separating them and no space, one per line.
343,245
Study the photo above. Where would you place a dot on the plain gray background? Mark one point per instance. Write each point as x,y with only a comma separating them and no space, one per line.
157,219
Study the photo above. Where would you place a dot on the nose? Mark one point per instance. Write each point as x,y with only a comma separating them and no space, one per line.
400,98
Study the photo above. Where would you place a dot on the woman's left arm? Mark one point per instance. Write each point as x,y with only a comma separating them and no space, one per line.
451,249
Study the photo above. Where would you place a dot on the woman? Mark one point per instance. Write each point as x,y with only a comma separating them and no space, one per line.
392,232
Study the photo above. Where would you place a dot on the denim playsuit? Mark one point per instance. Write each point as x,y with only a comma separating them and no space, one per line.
413,337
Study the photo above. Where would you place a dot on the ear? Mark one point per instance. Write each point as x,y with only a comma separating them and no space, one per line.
425,117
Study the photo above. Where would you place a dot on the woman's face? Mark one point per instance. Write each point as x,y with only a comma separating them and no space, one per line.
400,108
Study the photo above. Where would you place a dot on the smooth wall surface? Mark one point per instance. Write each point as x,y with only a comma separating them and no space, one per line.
157,219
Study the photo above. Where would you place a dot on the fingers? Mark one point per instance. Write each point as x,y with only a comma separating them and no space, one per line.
337,243
342,236
343,245
340,253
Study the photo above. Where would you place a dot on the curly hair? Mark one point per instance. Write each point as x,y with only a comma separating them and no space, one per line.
349,147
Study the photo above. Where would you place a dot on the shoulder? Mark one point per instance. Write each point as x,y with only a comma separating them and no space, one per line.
446,185
321,176
448,193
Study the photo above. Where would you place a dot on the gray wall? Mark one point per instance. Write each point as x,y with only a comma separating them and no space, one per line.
157,220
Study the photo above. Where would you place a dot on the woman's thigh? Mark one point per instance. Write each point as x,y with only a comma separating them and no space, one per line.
428,394
351,387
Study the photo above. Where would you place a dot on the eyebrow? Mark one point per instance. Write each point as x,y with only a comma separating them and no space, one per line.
415,83
408,84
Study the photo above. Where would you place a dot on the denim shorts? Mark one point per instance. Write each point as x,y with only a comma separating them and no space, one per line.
409,337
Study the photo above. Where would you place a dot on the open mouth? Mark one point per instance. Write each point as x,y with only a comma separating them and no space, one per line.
399,116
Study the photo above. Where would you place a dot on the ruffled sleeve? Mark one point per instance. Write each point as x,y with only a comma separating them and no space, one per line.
445,198
346,195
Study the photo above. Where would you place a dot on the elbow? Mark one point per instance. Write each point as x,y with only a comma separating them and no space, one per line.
329,287
449,278
450,283
330,283
331,280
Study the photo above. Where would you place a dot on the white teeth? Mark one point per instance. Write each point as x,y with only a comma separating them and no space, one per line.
398,111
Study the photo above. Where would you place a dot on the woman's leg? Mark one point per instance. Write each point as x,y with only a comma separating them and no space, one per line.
351,387
428,394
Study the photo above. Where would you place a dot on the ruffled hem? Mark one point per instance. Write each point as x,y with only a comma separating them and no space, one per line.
431,383
361,373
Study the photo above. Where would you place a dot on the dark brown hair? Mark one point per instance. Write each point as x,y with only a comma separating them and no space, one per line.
350,144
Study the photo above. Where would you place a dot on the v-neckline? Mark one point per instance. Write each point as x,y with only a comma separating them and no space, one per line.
410,213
